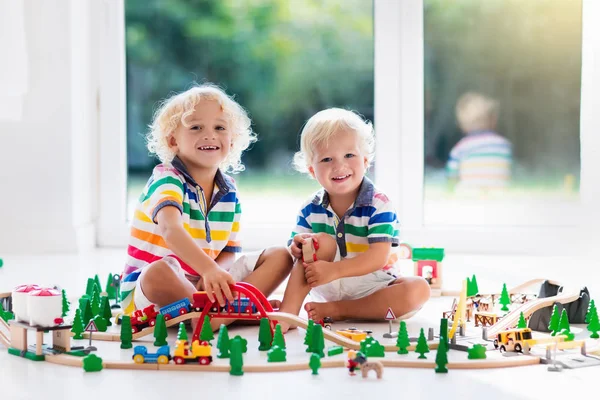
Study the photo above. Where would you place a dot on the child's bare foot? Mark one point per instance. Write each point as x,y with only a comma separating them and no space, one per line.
318,311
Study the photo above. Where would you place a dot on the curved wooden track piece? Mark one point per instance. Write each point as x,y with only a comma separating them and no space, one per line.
4,336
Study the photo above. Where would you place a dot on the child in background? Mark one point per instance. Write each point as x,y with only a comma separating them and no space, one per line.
354,226
184,233
481,161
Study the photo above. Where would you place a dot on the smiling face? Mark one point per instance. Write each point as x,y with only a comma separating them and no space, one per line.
339,165
204,141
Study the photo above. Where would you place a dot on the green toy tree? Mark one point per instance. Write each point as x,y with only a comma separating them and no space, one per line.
264,335
243,343
374,349
65,304
554,321
591,310
77,327
92,363
477,352
308,335
97,284
87,314
182,333
111,291
160,331
126,333
276,354
236,361
223,342
278,337
472,289
365,342
105,310
95,301
100,322
314,363
403,340
444,330
522,322
89,288
441,358
422,346
318,342
564,326
594,325
504,298
206,333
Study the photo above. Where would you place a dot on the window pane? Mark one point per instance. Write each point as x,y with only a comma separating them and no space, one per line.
502,105
284,60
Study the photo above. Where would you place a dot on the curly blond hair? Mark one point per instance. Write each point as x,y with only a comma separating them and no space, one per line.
175,109
476,112
322,126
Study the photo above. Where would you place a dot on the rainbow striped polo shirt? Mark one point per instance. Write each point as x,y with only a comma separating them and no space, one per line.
214,226
481,160
371,219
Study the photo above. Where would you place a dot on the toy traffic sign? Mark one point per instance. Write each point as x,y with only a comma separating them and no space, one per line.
91,327
390,316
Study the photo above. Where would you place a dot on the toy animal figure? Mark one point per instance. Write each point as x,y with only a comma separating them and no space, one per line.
367,366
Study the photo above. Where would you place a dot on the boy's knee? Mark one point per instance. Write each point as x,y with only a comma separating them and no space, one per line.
327,247
420,291
156,274
279,255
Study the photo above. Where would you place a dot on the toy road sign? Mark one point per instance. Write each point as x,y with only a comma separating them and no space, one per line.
389,316
91,326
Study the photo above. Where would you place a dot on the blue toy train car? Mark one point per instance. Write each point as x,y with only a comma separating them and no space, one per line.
141,355
173,310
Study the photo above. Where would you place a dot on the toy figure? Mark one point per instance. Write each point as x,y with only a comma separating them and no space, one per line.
354,360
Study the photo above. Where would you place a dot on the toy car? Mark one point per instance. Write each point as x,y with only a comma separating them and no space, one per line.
325,322
141,355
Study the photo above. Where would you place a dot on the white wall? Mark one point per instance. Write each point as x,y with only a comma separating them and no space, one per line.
46,187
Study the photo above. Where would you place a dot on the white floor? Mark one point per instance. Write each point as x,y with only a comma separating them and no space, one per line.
24,379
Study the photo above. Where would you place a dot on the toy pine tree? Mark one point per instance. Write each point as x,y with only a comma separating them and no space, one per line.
95,301
474,288
90,287
264,335
591,311
65,304
504,298
77,327
182,333
441,358
97,284
278,338
422,346
223,342
314,363
318,342
160,331
126,333
403,341
522,323
564,326
206,333
276,354
236,361
87,314
444,330
594,325
110,290
105,310
554,321
308,335
100,322
243,343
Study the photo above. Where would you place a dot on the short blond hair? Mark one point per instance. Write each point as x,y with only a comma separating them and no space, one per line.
325,124
174,110
476,112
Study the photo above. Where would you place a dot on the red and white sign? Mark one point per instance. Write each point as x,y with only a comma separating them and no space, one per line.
389,315
91,326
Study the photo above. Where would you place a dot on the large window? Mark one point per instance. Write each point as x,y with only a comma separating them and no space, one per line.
283,60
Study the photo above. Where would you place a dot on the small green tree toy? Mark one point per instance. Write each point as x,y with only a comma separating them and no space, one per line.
87,314
223,342
472,289
278,337
111,291
77,327
95,302
504,298
564,326
182,333
65,304
243,343
591,311
160,331
206,333
308,335
236,361
522,322
477,352
594,325
444,330
314,363
90,287
441,358
126,333
100,322
92,363
554,324
105,310
422,346
375,349
318,342
403,340
264,335
276,354
97,284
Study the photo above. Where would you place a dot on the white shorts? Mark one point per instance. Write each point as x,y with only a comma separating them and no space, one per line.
352,288
240,269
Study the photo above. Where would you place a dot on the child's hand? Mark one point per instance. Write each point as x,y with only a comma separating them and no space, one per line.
299,240
320,272
216,283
